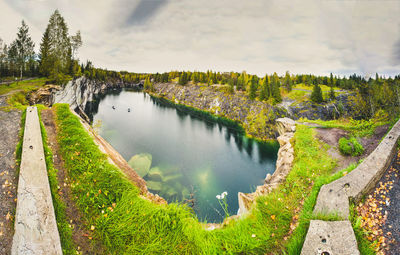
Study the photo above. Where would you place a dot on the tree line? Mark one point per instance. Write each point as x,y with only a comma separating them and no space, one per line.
56,58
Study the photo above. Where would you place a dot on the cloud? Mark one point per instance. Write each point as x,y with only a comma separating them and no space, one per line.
260,36
144,11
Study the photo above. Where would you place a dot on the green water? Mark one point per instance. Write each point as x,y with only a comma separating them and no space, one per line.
183,157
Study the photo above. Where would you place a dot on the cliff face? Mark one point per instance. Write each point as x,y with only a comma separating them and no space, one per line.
78,93
257,118
286,128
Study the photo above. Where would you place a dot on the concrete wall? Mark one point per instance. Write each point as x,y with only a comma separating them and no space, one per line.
35,224
338,237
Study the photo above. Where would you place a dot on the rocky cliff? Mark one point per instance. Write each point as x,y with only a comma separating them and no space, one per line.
286,128
257,118
78,93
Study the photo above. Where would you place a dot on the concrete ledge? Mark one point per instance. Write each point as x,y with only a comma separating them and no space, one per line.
338,237
333,198
330,238
35,224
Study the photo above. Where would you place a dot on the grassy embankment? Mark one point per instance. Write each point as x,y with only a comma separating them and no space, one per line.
18,90
301,92
126,223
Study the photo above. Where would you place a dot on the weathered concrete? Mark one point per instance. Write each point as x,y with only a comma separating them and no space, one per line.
334,197
330,238
286,128
35,224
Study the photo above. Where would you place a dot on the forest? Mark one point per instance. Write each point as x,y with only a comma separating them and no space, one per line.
57,59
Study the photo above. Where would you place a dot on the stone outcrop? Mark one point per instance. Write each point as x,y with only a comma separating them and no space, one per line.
43,95
35,223
286,128
78,93
343,106
256,117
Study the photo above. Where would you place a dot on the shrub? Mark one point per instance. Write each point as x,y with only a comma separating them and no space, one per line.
350,146
345,146
358,149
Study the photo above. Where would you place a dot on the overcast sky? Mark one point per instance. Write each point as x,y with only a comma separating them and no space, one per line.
259,36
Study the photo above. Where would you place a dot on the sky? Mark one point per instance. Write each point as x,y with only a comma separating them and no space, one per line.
259,36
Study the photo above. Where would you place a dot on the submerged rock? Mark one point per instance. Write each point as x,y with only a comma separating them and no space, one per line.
141,163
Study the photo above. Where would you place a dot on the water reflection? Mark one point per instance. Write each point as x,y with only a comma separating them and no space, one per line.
184,155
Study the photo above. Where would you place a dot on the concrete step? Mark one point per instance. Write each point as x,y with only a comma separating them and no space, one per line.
35,223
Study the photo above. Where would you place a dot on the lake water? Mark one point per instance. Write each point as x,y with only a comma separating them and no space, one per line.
183,157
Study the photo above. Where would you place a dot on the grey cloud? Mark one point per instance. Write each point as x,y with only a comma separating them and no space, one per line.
396,53
302,36
144,11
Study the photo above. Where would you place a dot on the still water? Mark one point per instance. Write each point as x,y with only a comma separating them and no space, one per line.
183,157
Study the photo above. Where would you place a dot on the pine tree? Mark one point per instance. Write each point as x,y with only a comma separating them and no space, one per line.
183,78
332,94
275,91
231,85
76,43
288,82
24,47
253,87
316,95
148,85
55,49
265,89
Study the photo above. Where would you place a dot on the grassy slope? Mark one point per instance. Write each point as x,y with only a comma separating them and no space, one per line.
358,128
127,223
64,228
19,90
24,86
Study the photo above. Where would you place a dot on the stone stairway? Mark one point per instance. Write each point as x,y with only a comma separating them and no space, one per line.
35,224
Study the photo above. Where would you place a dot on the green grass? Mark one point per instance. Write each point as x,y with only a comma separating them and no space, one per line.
63,225
324,88
127,224
25,86
350,146
298,95
357,128
297,239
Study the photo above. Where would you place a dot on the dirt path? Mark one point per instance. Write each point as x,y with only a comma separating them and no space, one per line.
331,137
9,129
79,234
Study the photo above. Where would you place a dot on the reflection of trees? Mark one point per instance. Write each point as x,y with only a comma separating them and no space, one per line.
92,107
266,151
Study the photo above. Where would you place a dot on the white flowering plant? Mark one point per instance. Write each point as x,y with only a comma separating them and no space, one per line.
222,201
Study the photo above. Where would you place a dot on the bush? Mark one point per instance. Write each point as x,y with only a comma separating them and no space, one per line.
350,146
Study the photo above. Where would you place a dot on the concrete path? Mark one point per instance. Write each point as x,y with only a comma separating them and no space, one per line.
35,224
334,197
9,128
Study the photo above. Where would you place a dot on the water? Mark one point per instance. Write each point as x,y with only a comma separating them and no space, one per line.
192,159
